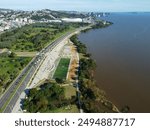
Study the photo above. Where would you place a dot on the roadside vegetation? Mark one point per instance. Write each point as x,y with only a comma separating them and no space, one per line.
34,37
92,97
49,97
10,67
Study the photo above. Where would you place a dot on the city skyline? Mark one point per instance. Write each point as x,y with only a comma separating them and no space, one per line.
79,5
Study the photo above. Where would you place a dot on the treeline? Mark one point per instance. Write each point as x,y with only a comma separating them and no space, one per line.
92,97
40,17
61,14
101,24
81,48
47,98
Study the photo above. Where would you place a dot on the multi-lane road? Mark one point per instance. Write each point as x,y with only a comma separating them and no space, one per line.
10,97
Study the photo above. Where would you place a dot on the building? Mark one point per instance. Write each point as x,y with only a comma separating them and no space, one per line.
1,29
73,20
87,20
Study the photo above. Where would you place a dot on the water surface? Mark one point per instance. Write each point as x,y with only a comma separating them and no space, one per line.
122,54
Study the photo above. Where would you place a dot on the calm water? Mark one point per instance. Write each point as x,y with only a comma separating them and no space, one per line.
122,54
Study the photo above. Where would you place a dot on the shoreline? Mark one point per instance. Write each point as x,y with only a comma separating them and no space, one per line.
105,100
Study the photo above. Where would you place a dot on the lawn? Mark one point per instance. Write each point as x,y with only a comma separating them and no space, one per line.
69,91
62,69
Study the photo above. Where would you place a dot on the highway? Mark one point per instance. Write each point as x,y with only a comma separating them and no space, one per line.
27,74
21,82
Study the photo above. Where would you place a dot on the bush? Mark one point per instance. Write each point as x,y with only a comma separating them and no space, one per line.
60,81
49,97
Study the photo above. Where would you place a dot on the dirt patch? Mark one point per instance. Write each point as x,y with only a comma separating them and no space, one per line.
74,64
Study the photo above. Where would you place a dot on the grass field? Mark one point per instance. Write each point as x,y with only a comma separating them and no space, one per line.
69,91
62,69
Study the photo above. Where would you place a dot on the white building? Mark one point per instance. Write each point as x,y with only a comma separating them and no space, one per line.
1,29
73,20
25,20
87,20
54,21
1,16
30,21
6,27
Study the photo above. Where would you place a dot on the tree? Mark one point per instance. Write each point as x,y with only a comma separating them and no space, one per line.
4,78
12,55
59,80
48,97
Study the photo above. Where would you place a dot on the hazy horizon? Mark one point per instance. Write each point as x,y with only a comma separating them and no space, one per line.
79,5
75,10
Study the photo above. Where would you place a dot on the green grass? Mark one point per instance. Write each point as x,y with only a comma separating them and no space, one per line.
33,37
62,69
27,45
69,91
10,68
11,64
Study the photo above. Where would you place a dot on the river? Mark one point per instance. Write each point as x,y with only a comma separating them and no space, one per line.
122,54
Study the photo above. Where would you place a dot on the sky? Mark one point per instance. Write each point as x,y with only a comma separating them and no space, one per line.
79,5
